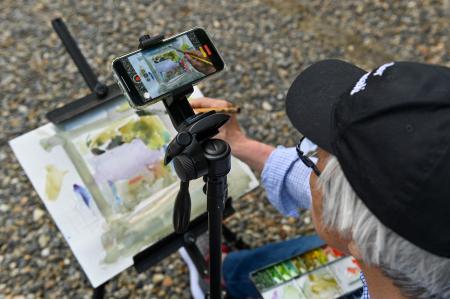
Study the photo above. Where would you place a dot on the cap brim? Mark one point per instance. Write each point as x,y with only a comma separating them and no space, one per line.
311,97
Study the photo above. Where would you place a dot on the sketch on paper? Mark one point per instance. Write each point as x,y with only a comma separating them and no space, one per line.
106,186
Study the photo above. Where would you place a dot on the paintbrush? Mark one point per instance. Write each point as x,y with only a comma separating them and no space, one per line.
231,109
192,55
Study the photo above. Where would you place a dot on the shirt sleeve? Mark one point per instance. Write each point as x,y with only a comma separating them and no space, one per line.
286,180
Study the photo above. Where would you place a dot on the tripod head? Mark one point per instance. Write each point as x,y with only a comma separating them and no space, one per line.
192,152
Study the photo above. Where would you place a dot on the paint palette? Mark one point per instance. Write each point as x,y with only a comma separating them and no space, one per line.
322,273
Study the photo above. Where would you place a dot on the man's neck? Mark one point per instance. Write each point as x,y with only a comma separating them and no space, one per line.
380,287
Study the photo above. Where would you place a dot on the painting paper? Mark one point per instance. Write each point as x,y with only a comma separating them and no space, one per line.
102,178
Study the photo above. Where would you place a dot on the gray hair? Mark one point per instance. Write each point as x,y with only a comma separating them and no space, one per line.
416,272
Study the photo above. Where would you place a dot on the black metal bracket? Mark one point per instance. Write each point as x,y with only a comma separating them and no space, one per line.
100,93
99,88
146,41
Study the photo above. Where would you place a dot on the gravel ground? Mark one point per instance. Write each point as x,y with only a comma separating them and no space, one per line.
265,44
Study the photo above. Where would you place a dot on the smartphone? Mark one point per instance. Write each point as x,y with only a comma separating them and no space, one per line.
148,76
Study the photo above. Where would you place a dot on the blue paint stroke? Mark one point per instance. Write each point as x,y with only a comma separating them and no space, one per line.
83,193
115,193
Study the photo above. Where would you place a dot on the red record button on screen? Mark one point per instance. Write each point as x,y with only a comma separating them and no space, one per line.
136,78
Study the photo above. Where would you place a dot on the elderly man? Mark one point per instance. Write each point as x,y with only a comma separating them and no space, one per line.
378,186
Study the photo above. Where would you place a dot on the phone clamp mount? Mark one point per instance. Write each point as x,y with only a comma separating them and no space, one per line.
196,154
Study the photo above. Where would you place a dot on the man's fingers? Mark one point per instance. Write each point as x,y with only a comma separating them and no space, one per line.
208,103
195,63
189,57
194,52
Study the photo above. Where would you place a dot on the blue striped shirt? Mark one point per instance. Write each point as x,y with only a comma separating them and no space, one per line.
286,181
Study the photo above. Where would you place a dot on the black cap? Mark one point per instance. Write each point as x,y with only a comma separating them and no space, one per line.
390,131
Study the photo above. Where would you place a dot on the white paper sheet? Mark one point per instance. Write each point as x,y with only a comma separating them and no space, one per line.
102,225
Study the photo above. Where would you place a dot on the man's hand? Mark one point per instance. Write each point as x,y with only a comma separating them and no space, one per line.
249,151
231,132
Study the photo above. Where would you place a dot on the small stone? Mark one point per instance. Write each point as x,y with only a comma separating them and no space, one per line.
23,200
43,240
167,282
239,68
37,214
49,284
307,220
412,4
157,278
267,106
22,109
291,220
45,252
280,97
359,8
286,228
4,208
162,294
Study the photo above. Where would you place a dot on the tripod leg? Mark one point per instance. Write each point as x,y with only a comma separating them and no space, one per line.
99,292
216,193
217,152
195,254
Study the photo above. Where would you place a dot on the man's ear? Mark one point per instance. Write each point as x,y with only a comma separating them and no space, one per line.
354,250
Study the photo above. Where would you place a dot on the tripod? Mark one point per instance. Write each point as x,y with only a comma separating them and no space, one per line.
195,154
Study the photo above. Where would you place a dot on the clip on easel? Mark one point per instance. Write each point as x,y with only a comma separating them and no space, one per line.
181,116
100,92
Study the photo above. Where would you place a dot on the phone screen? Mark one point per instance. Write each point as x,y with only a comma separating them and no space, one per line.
152,73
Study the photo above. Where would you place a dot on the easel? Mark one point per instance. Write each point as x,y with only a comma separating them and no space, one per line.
168,245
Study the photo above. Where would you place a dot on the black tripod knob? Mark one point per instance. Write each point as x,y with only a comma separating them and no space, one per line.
185,168
177,145
182,209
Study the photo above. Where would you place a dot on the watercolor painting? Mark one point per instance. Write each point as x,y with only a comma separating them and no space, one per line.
102,178
125,160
